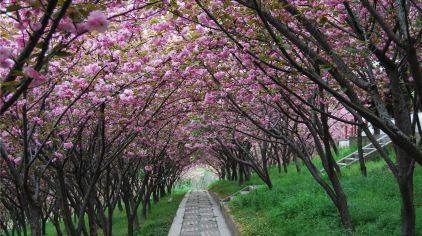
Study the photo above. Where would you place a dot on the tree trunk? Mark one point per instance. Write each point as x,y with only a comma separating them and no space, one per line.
65,211
405,162
162,191
130,225
135,217
109,224
405,182
266,173
241,174
341,200
360,153
269,183
343,209
25,229
56,223
284,165
169,187
407,208
35,220
228,171
279,165
234,171
130,215
43,227
223,174
297,163
155,196
119,205
144,207
92,224
247,173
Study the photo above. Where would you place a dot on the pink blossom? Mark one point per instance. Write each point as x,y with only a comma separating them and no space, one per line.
31,73
38,121
36,26
209,99
17,160
82,28
5,53
148,168
127,95
202,18
6,63
97,21
58,155
219,75
67,25
161,26
200,29
68,145
19,26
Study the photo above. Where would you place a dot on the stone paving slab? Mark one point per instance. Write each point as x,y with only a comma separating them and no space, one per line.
199,215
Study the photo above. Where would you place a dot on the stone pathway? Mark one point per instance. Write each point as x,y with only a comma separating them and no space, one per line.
199,215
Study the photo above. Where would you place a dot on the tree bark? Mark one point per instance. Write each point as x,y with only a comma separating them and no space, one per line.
35,220
56,223
407,206
360,152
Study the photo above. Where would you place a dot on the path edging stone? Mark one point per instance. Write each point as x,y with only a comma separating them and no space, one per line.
176,226
226,215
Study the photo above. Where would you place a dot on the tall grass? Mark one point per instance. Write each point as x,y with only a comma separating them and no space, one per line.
298,206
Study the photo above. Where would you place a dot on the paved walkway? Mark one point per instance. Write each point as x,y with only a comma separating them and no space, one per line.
199,215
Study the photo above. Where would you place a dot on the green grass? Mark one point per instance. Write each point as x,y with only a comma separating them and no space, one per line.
161,217
157,223
225,188
297,205
342,152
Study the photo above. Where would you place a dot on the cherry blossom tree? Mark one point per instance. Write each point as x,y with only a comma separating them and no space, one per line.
104,104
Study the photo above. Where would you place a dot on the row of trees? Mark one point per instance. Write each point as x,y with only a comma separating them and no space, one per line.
106,103
89,123
309,57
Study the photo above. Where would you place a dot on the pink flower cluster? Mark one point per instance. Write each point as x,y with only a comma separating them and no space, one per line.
127,96
97,21
35,75
68,145
148,168
5,55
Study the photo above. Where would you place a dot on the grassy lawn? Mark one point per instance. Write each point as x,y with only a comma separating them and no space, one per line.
227,188
157,223
224,188
297,205
161,217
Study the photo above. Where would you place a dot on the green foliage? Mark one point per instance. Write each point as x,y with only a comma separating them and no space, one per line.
297,205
